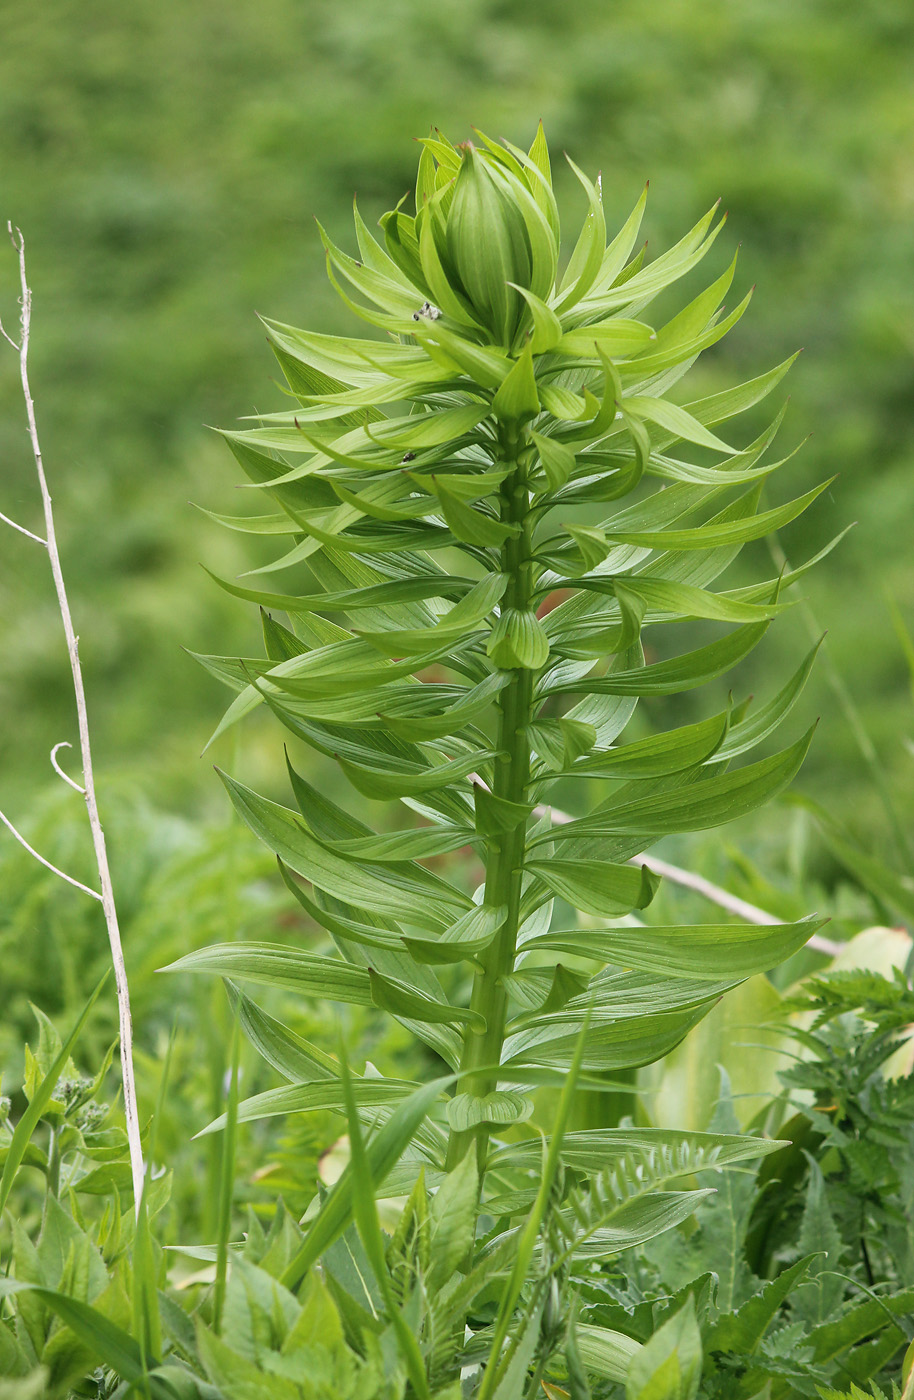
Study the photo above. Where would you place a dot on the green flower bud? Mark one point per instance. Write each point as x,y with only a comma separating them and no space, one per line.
488,246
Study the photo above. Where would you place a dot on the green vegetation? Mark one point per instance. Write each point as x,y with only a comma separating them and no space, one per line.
444,492
468,1101
166,167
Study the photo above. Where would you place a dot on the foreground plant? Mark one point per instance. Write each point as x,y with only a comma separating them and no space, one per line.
469,511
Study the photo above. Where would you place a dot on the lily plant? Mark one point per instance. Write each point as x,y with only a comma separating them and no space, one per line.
486,505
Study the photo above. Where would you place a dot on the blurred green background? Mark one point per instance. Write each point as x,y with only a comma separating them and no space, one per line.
165,161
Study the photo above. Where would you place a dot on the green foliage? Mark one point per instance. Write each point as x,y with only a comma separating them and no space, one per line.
800,1267
443,492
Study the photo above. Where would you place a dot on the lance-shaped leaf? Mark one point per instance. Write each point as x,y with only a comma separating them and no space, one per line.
684,672
401,1000
274,965
413,894
660,754
379,595
467,524
309,1098
591,1150
409,717
547,328
729,532
766,719
611,1044
517,399
558,461
694,951
289,1053
464,617
407,780
701,805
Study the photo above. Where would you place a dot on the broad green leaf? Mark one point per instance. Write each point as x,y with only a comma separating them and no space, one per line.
612,1043
669,1365
463,940
626,1224
558,460
517,399
676,420
598,887
606,1353
560,741
495,815
617,337
502,1108
518,641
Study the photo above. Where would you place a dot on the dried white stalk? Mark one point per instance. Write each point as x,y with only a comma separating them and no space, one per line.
106,897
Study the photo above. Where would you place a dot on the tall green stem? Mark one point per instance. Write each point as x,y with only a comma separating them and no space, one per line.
505,852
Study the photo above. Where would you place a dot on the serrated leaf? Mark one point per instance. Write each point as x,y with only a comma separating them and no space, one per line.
741,1331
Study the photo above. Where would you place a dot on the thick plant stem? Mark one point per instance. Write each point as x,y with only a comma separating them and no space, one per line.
505,852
